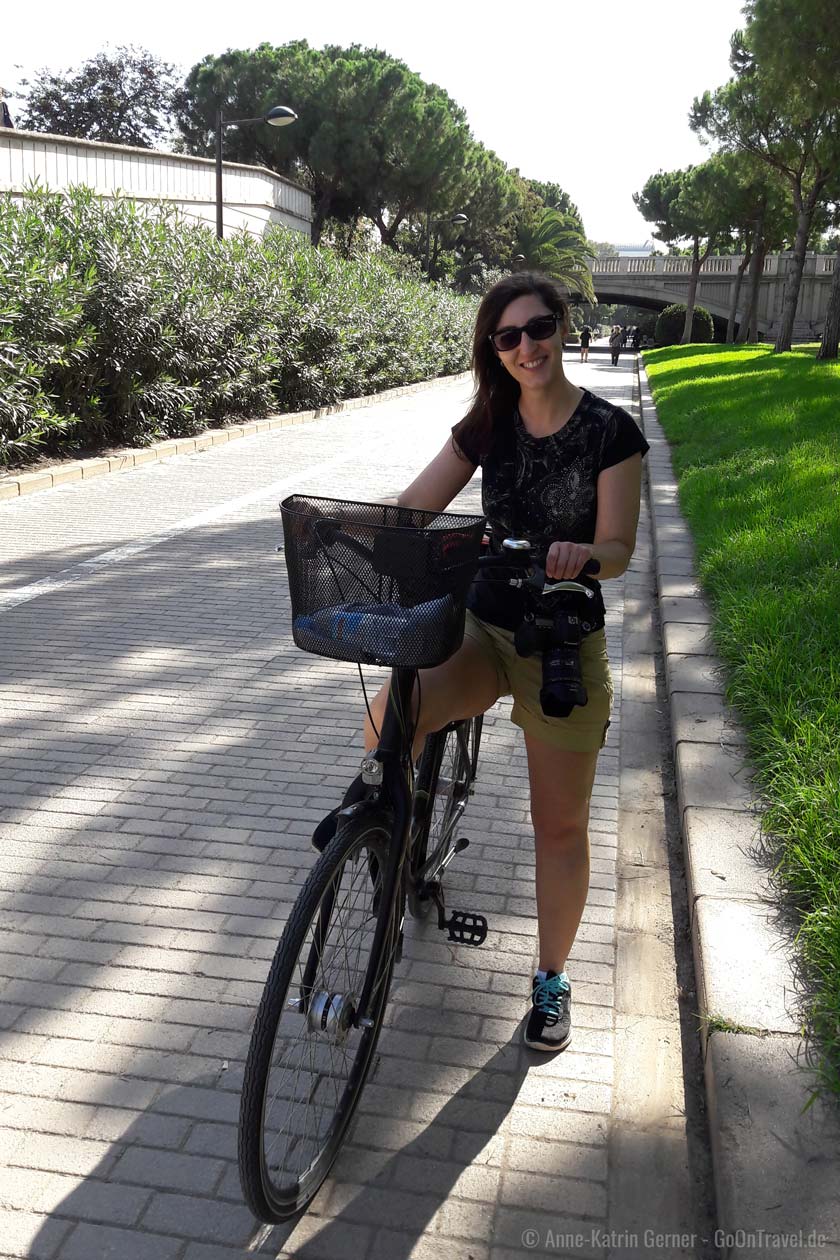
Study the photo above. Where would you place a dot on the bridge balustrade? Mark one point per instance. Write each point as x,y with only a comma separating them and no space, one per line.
721,264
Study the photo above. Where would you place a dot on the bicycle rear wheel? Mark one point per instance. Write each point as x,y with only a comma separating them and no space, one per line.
308,1057
444,779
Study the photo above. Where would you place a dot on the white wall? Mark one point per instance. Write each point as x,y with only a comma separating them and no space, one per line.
254,197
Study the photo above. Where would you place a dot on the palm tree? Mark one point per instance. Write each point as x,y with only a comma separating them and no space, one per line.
553,243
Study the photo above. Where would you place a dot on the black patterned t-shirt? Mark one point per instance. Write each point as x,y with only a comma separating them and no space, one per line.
545,489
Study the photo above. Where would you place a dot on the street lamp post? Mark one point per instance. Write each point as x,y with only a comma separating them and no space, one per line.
460,219
279,116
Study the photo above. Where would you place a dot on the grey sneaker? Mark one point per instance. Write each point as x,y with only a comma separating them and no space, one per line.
549,1025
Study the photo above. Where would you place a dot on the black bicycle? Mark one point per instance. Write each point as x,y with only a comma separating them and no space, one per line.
381,585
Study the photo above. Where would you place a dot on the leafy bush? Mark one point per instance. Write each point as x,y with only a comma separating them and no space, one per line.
671,322
120,327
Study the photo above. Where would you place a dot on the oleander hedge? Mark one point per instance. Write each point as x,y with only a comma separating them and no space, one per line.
119,327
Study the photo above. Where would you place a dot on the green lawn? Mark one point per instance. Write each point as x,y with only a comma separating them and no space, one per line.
755,441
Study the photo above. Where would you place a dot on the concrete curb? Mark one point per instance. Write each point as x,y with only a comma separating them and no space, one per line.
776,1166
13,486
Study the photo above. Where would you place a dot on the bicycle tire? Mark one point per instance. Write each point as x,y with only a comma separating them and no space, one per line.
285,1151
448,767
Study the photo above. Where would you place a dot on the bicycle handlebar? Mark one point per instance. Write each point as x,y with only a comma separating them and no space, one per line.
520,556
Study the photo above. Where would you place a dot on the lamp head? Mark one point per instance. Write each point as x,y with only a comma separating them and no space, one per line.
280,116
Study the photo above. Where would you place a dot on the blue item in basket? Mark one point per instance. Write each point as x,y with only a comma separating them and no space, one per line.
382,631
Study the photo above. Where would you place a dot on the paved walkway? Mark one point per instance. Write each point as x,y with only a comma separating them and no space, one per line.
166,753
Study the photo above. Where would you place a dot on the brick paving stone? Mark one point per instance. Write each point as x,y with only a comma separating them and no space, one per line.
46,1116
55,1153
34,1190
551,1158
148,1128
324,1240
171,754
209,1251
391,1244
365,1203
144,1167
447,1178
29,1235
87,1241
188,1216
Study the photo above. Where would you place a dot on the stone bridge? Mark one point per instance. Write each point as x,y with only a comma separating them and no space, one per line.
658,281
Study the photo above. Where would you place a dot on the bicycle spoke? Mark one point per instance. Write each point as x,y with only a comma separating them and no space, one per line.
312,1053
319,1054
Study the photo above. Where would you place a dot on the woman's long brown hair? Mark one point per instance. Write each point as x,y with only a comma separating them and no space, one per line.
496,392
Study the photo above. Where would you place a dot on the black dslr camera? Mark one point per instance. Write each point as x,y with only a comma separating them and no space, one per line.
558,637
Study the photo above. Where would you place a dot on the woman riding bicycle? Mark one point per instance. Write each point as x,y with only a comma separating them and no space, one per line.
561,468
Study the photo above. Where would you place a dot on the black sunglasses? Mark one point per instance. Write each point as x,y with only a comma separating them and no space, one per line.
540,328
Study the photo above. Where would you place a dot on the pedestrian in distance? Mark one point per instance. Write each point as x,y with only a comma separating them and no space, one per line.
615,343
562,468
585,338
636,339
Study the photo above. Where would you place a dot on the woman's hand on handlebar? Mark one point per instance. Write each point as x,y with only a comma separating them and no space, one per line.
565,560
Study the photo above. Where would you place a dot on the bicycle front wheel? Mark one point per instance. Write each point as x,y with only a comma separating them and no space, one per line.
311,1048
444,779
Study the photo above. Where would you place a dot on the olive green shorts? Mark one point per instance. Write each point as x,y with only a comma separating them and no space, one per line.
585,729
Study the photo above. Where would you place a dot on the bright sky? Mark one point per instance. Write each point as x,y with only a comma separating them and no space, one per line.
593,96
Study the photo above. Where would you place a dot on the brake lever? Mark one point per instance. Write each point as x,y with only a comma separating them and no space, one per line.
538,581
568,585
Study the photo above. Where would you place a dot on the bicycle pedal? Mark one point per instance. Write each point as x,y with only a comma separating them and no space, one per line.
466,928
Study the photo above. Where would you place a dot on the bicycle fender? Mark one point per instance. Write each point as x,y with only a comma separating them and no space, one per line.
374,809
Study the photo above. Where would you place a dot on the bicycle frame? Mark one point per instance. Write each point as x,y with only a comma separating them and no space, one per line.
393,754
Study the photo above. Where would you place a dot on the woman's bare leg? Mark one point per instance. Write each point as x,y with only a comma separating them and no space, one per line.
561,787
463,687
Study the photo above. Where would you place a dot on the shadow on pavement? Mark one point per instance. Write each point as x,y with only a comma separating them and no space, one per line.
166,1177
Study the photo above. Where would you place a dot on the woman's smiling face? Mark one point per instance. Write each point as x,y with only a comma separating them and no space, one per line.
534,364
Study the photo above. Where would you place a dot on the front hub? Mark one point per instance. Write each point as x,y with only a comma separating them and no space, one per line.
331,1014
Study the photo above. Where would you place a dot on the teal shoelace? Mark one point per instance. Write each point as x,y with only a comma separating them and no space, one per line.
548,994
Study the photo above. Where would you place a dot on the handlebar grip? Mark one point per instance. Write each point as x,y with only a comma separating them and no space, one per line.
328,531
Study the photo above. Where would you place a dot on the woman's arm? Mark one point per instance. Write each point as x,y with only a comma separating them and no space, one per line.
619,495
438,483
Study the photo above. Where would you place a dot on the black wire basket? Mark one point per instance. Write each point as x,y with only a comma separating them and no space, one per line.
378,584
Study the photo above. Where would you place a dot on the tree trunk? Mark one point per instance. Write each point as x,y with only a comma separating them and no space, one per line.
696,263
319,218
784,337
751,327
736,293
388,231
831,332
316,230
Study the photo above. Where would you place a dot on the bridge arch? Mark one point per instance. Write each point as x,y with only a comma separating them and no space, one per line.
611,294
